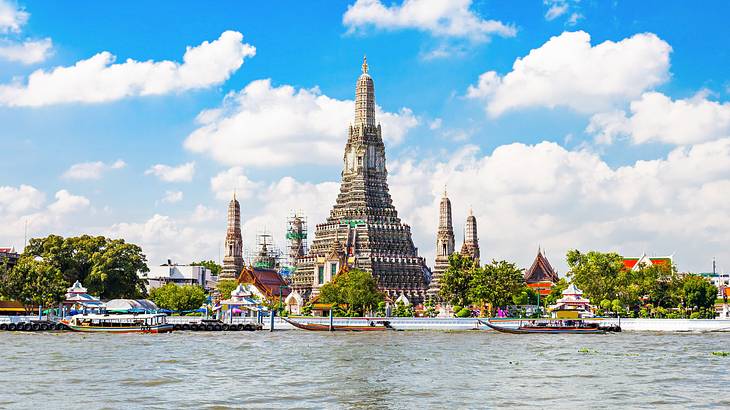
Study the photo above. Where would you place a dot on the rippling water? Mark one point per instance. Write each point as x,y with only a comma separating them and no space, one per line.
363,370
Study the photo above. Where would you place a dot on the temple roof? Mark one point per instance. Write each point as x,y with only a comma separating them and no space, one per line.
267,281
634,263
541,270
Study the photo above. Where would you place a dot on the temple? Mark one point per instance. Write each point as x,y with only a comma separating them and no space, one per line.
444,246
541,276
363,230
471,241
233,256
644,260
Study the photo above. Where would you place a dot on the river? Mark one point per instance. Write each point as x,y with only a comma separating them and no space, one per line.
407,370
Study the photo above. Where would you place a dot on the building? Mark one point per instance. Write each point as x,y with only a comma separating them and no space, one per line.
363,229
541,276
444,246
470,247
233,253
644,260
180,275
572,305
77,300
9,254
264,284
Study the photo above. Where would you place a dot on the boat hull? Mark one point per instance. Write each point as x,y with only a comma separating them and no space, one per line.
319,327
546,330
163,328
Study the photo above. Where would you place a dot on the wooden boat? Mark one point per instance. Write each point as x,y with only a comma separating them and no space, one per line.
122,323
367,326
558,327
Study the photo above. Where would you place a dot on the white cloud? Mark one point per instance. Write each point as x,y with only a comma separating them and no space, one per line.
12,18
66,202
225,183
656,117
27,52
167,173
91,170
567,71
263,125
98,79
24,198
172,197
435,124
203,213
557,9
451,18
530,195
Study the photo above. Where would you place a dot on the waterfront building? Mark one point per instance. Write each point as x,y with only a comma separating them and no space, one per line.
233,253
541,276
644,260
264,283
77,299
444,246
471,240
572,305
9,254
180,275
241,303
363,229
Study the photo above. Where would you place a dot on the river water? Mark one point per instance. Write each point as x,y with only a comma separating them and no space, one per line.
406,370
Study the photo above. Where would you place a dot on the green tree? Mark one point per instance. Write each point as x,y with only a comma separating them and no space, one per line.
456,280
403,310
356,288
527,296
699,293
555,293
115,271
225,287
33,282
496,284
180,298
597,274
215,269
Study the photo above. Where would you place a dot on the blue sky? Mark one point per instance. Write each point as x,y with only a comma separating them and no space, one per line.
619,147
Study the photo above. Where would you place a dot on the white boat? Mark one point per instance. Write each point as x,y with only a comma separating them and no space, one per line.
119,323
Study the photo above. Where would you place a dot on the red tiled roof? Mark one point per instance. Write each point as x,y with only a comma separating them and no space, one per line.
268,281
629,263
540,271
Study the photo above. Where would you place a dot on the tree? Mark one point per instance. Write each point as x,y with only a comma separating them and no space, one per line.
556,292
456,280
527,296
108,268
225,287
33,282
597,274
496,284
115,271
179,298
356,288
215,269
403,310
698,293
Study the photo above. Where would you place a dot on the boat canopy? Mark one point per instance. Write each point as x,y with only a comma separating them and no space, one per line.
130,305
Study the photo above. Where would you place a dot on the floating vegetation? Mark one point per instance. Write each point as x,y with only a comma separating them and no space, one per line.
723,354
587,350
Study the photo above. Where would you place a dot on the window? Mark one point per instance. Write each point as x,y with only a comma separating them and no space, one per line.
333,269
321,275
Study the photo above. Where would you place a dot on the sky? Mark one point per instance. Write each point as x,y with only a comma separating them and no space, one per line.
590,125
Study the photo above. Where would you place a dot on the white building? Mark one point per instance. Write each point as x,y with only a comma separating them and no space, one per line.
180,275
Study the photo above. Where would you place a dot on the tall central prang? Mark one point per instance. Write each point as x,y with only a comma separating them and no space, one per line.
363,229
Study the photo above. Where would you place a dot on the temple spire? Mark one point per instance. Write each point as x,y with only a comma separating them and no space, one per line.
365,64
365,98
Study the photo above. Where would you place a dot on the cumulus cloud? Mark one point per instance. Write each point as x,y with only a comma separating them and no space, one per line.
557,8
203,213
264,125
225,183
657,118
543,194
567,71
12,18
27,52
24,198
168,173
172,197
66,202
91,170
99,79
453,18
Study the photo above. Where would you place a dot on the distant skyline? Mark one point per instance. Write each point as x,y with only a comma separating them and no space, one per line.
563,124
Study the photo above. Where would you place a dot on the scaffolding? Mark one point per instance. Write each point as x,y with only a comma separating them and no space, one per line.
267,255
296,234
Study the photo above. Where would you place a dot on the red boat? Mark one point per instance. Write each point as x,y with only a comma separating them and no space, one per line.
367,326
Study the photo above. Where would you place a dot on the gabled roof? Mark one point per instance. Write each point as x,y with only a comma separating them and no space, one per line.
634,263
267,281
541,270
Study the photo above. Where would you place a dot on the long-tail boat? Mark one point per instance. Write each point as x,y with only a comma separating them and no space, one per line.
369,325
559,326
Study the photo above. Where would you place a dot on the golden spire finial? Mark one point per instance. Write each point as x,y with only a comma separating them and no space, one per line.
364,64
